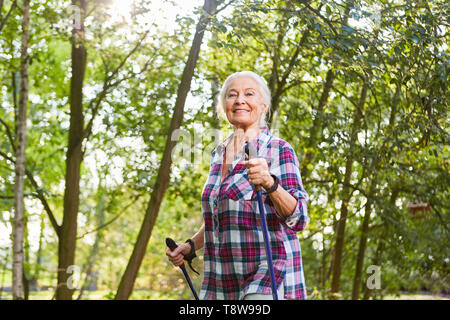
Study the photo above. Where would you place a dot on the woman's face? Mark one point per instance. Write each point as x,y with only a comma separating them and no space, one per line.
244,104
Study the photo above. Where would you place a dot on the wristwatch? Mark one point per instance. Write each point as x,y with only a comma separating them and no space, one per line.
191,255
275,185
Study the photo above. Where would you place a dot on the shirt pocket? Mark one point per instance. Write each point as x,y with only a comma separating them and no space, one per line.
239,187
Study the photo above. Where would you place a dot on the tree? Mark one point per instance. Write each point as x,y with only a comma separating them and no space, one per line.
163,177
67,240
19,217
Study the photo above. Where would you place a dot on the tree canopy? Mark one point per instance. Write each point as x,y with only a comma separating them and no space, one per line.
359,89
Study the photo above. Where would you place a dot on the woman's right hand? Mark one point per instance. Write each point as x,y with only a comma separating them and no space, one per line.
177,255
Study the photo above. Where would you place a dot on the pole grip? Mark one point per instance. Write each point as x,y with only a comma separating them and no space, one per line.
250,150
171,244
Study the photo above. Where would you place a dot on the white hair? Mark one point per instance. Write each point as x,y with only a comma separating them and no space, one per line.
262,88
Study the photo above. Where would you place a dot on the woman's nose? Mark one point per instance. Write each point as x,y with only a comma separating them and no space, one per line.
239,99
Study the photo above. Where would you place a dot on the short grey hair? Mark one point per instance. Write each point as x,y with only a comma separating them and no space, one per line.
262,87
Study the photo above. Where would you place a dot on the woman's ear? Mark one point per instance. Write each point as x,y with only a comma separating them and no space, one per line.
264,109
262,118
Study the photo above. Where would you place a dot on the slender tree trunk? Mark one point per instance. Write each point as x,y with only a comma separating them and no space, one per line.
19,223
278,86
323,270
363,241
15,81
376,261
372,190
331,199
26,285
162,181
339,246
3,19
100,213
35,278
4,271
26,260
74,155
215,89
317,124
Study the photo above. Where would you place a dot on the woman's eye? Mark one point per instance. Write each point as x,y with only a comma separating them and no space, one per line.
250,93
231,95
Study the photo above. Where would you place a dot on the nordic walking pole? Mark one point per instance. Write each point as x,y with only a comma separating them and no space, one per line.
251,152
172,246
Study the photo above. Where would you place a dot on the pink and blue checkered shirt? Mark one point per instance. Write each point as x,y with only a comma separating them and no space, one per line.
235,261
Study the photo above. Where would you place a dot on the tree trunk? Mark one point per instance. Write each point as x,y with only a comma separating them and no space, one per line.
278,86
67,239
34,281
317,124
4,272
100,215
18,223
363,241
372,190
215,89
331,198
162,181
8,14
339,246
26,260
376,261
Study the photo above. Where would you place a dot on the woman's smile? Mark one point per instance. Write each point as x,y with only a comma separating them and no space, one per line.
241,111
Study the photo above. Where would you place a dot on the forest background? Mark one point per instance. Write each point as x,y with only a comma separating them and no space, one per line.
107,121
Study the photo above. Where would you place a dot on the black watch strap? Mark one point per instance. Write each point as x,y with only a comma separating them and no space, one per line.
191,255
275,185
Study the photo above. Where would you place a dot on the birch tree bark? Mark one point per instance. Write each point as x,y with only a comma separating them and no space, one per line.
18,223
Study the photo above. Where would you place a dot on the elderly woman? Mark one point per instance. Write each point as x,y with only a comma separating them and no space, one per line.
235,262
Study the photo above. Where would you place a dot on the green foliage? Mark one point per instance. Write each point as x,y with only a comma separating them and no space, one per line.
398,49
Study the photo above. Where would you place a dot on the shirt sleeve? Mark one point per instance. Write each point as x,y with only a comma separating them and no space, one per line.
286,167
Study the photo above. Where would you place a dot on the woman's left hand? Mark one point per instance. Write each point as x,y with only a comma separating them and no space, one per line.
258,172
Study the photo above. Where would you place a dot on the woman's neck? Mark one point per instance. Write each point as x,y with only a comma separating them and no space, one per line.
241,135
246,134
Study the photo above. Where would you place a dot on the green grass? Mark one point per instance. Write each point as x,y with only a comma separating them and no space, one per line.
153,295
98,295
416,297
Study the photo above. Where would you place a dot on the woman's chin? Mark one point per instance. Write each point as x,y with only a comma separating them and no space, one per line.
242,124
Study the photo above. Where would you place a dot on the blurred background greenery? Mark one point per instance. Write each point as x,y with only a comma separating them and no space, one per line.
359,89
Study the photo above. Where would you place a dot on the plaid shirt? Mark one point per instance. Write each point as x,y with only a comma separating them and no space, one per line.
235,261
